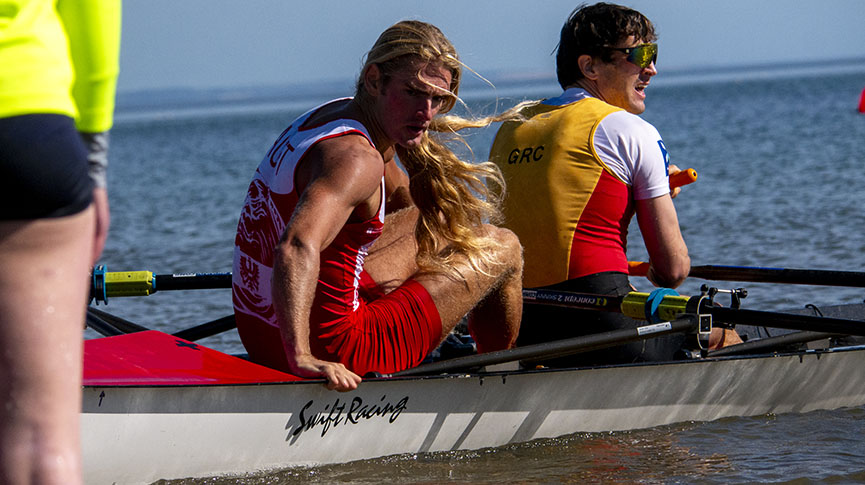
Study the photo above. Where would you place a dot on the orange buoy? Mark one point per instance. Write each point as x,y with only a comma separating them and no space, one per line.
862,102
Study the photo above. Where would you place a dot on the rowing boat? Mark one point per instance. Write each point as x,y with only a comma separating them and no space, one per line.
157,406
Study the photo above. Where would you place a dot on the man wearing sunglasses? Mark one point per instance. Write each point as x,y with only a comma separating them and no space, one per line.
578,169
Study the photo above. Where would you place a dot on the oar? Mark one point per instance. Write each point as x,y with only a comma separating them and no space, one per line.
101,326
789,321
143,283
208,329
764,344
110,325
659,306
818,277
559,348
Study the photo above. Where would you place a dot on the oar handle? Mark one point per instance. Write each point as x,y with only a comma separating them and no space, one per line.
683,177
130,283
107,284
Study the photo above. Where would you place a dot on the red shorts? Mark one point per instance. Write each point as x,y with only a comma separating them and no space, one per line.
388,334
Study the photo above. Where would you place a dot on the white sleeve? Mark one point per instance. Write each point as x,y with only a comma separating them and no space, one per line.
633,149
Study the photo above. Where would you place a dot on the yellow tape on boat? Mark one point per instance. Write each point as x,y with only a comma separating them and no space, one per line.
634,306
129,283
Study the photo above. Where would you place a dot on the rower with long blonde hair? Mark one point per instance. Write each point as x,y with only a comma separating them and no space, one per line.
346,264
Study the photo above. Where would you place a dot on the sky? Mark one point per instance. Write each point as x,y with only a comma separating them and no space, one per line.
225,44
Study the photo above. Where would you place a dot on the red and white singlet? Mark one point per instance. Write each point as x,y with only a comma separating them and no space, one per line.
269,204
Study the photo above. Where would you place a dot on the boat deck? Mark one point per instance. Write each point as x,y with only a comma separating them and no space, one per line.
153,358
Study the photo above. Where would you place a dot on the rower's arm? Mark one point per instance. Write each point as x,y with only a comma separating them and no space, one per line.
668,254
326,204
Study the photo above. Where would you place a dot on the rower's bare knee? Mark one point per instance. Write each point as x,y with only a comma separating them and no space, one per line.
510,251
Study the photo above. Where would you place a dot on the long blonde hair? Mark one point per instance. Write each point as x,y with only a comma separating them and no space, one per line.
454,197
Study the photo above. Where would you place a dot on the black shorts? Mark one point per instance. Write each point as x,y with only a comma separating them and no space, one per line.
43,168
545,323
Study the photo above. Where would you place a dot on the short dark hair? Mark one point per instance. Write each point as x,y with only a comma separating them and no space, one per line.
589,28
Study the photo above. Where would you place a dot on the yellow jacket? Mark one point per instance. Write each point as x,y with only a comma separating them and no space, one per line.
60,56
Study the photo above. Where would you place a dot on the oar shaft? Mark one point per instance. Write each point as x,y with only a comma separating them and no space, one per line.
569,299
110,325
739,316
780,275
671,307
208,329
193,281
100,319
560,348
770,343
818,277
633,304
101,326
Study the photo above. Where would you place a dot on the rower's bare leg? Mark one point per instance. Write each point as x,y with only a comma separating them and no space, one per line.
723,337
494,299
391,260
44,268
495,321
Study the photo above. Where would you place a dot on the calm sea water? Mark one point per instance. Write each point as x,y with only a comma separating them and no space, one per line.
780,163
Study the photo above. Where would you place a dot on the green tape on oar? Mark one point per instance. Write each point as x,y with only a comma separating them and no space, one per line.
668,308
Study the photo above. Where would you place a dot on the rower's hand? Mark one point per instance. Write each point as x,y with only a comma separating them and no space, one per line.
338,377
672,169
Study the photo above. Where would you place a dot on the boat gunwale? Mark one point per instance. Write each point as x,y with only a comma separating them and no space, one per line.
498,373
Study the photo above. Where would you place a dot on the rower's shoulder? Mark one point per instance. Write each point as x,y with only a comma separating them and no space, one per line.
333,110
347,148
349,162
627,125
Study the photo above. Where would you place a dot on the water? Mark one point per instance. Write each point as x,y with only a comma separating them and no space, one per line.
780,183
785,449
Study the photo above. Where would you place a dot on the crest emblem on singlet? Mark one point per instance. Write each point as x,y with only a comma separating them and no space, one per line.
666,155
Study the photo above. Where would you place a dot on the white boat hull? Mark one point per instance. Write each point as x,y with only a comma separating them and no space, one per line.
141,434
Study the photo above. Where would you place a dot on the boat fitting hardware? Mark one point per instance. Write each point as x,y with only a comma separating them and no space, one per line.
736,294
704,323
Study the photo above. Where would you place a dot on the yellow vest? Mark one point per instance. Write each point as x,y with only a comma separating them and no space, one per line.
552,174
